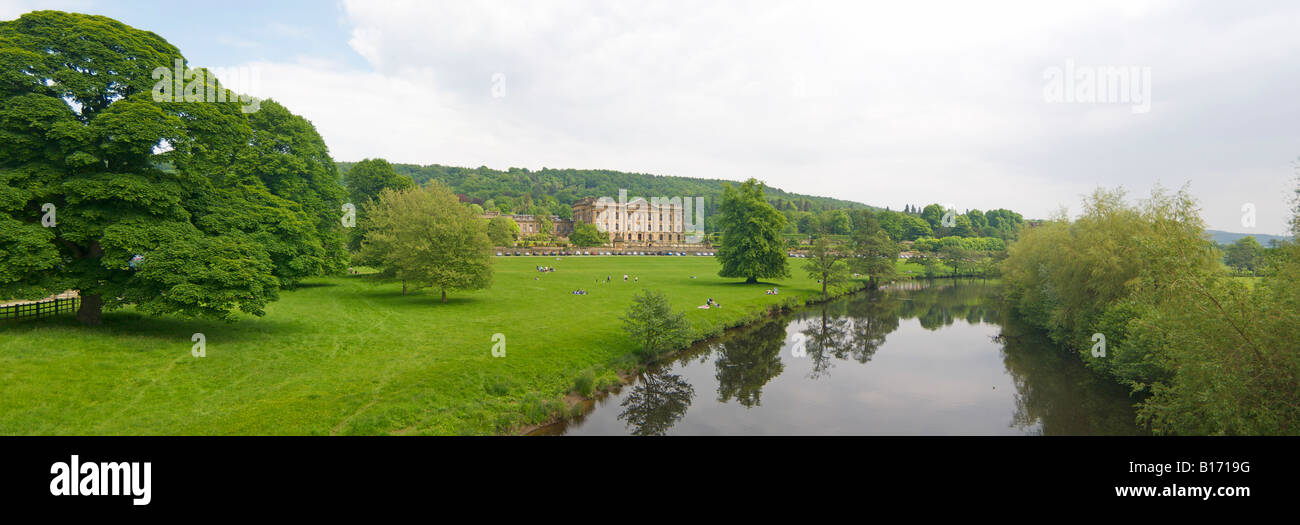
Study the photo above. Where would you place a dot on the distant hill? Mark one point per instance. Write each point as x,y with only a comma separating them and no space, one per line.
1223,237
557,189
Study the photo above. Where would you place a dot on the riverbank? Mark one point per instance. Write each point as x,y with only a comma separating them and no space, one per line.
577,405
937,357
344,355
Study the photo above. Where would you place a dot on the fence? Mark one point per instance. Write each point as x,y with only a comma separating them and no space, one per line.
39,308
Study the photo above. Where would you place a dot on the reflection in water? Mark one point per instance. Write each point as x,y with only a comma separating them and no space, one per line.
656,403
1048,387
748,361
825,338
926,358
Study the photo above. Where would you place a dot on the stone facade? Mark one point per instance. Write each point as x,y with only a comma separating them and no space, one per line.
633,223
528,224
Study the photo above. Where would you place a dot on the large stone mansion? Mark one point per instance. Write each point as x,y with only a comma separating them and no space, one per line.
635,222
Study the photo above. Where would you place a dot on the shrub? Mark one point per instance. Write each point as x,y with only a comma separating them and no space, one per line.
585,385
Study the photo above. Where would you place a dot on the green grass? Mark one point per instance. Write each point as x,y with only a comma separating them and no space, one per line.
343,355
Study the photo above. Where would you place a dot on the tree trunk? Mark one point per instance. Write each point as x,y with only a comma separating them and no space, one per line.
403,287
823,286
751,280
444,295
91,310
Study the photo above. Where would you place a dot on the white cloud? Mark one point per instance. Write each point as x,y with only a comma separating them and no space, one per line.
889,104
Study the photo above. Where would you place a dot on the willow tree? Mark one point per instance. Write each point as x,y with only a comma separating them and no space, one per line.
751,235
106,190
425,237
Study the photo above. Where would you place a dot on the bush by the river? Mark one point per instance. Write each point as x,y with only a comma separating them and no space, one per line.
1203,352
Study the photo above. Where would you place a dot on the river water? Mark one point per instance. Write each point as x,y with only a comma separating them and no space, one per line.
918,358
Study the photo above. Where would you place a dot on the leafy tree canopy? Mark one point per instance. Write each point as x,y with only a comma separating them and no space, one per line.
651,322
128,200
751,235
426,237
503,231
586,234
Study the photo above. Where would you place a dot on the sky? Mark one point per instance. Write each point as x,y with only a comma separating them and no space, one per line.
967,104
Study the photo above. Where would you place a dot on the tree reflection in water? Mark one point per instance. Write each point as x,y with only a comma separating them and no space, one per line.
748,361
825,338
1054,392
1049,384
656,403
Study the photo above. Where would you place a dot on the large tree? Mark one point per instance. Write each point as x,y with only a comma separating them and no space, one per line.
131,198
365,181
826,262
587,234
1244,255
503,231
874,252
751,234
426,237
933,215
289,156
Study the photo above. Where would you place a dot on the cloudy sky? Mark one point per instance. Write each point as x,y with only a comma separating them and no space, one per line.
887,103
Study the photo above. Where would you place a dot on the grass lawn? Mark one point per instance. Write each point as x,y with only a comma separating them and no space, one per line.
343,355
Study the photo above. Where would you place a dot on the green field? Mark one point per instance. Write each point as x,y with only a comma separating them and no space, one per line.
344,355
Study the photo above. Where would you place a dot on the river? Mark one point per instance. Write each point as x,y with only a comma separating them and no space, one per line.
917,358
